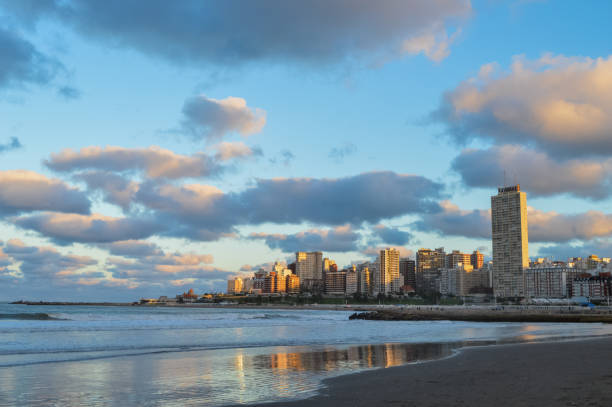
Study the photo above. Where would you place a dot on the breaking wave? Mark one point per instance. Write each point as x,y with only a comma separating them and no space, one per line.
40,316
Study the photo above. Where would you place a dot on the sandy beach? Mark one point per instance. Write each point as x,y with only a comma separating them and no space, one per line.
576,373
99,356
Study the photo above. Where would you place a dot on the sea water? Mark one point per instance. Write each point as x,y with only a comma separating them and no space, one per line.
87,355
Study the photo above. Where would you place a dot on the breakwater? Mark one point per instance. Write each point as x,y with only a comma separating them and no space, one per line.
484,315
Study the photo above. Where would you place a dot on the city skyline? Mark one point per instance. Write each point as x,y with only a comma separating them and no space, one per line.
140,162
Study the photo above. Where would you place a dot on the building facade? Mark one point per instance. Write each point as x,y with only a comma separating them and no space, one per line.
510,241
292,284
548,281
351,280
462,280
594,288
407,270
477,259
309,268
428,264
234,286
364,278
388,275
335,282
455,258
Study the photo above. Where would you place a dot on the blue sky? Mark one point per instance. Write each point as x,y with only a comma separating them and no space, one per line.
352,127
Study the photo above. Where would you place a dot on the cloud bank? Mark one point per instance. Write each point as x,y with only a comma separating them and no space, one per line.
555,103
26,191
543,226
64,228
537,172
154,162
227,33
41,264
338,239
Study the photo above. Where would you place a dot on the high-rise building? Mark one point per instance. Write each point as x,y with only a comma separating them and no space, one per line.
428,259
363,278
274,283
477,259
335,282
234,286
407,269
388,277
247,285
259,280
309,268
351,282
428,265
270,283
455,258
292,284
461,280
510,241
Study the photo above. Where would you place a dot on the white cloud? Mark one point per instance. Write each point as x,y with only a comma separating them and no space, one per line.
155,162
68,228
23,191
556,103
212,119
543,226
227,151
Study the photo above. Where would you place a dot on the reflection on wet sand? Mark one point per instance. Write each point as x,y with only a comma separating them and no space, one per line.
290,371
212,378
360,357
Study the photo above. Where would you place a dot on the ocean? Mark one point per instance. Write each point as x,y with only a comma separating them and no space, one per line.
166,356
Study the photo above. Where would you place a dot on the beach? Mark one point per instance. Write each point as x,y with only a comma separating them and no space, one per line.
101,356
572,373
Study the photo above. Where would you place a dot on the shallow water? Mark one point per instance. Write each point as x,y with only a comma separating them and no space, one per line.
178,356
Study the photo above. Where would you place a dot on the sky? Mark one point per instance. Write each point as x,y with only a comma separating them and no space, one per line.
149,147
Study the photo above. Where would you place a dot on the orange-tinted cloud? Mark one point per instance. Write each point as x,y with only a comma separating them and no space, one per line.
24,191
556,103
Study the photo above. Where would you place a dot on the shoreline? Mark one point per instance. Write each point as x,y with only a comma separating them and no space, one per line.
62,303
473,313
571,372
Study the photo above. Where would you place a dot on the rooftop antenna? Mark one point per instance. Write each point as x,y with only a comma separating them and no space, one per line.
504,178
515,183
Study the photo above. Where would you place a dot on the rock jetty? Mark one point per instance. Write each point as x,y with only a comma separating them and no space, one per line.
485,315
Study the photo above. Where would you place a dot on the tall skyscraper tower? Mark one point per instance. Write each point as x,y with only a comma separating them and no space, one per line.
510,241
388,277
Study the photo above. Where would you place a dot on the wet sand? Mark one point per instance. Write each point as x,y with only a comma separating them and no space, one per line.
576,373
